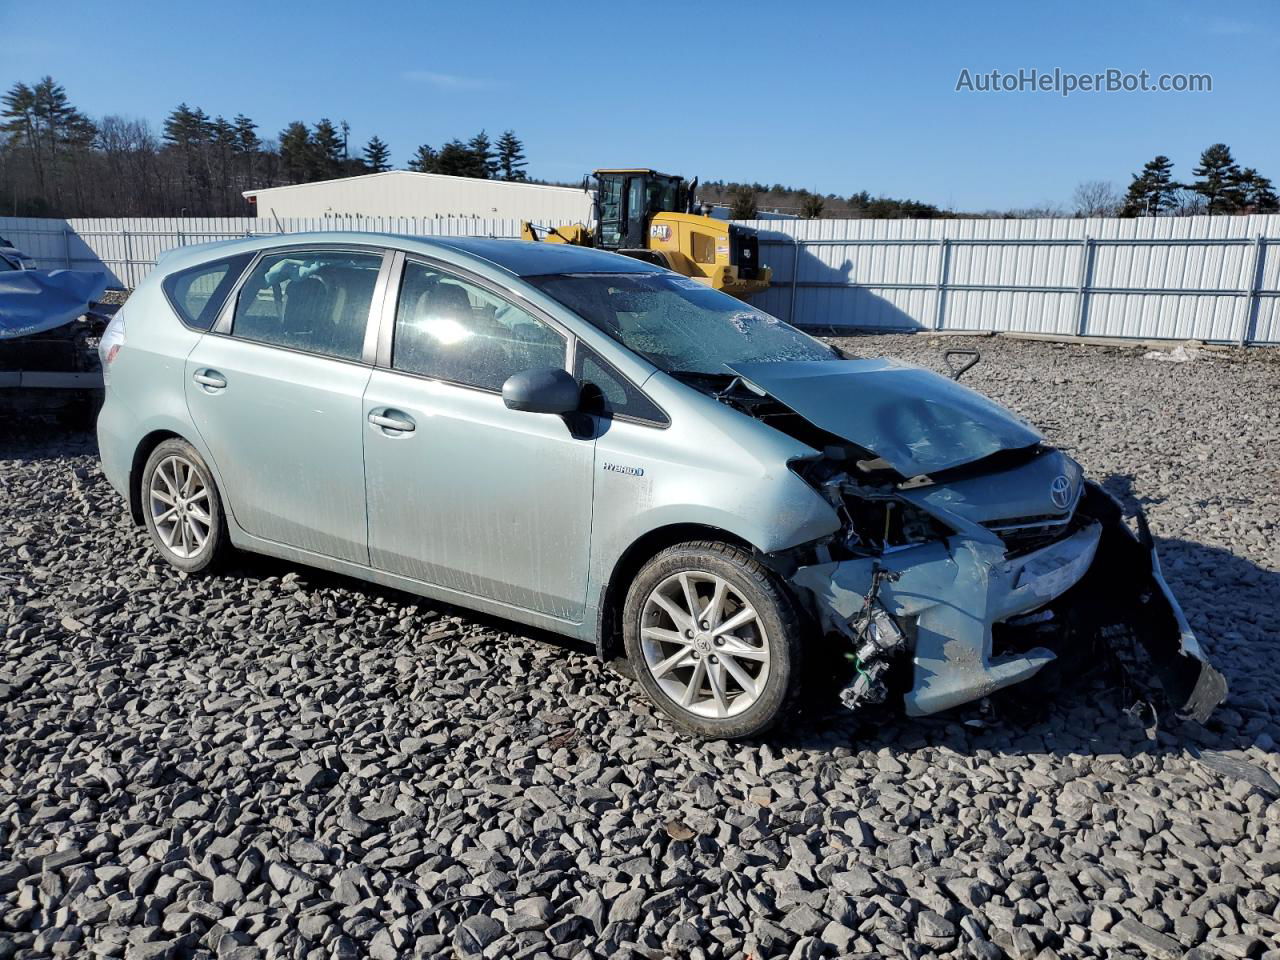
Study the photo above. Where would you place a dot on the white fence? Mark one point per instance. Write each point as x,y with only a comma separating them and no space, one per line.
1205,278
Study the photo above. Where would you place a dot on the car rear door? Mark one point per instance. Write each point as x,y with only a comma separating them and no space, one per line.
276,391
464,493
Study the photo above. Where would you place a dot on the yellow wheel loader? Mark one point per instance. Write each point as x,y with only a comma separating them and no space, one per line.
648,215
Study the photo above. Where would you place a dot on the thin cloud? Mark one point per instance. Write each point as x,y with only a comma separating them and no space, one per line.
448,81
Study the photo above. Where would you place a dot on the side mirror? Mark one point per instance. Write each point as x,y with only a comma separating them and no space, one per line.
542,390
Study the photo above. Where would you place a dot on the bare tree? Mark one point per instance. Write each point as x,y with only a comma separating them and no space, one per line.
1043,211
1096,198
1188,202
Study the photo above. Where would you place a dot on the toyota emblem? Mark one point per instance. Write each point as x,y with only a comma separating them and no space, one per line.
1060,492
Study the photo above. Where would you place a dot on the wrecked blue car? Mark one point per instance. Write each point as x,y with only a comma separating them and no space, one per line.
594,445
50,323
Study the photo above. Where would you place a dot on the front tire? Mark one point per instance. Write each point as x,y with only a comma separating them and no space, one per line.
182,509
714,638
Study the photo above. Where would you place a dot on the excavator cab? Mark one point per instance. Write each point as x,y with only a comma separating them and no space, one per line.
648,215
626,201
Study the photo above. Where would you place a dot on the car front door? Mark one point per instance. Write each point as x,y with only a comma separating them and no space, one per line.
276,392
464,493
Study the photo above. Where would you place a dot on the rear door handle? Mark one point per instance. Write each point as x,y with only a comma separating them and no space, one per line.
210,378
401,423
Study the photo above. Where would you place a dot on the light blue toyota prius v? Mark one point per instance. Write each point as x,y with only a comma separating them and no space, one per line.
588,443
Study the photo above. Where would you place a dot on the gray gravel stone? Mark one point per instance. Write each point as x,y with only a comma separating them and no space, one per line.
276,762
1151,942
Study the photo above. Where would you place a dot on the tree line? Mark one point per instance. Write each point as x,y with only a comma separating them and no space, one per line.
1221,186
746,200
56,161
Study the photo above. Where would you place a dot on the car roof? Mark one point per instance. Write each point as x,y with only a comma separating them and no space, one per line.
516,257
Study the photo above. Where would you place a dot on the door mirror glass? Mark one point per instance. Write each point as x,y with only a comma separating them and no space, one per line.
543,390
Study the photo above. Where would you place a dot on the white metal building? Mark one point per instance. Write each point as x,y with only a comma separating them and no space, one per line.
402,193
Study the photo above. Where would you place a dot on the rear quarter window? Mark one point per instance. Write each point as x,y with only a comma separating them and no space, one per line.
198,293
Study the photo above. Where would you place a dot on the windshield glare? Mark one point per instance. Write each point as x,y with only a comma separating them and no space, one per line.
678,324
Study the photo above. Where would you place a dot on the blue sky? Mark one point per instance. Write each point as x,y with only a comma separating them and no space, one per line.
836,97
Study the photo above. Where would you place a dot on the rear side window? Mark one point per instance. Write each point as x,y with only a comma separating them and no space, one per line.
608,393
316,301
198,293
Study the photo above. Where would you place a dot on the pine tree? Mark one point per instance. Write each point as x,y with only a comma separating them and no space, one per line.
511,160
327,150
246,134
742,202
297,152
190,131
22,125
457,159
56,135
377,156
424,160
1219,180
222,141
1152,191
811,205
186,128
247,146
1256,193
486,163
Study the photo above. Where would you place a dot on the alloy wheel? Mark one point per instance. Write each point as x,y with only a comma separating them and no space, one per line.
704,645
178,498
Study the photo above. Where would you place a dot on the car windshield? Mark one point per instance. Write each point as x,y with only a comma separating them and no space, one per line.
679,324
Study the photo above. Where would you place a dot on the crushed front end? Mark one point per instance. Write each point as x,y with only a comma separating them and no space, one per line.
966,542
985,595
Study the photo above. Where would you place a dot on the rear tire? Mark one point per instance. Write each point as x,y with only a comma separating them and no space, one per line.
182,509
732,669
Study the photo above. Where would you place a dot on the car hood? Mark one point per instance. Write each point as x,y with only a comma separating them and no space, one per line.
915,420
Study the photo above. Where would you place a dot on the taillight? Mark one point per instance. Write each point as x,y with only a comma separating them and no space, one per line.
110,344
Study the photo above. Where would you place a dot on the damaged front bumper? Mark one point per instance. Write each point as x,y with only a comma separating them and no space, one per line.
1099,583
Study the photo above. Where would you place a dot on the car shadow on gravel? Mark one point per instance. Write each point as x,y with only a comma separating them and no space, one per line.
42,438
256,566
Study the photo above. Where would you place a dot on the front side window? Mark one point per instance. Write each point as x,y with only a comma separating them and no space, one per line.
316,301
449,329
197,293
678,324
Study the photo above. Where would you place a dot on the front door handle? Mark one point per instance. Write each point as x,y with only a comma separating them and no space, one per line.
210,378
387,422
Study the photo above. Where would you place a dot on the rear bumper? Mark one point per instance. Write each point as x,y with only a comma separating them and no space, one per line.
114,450
737,286
1101,584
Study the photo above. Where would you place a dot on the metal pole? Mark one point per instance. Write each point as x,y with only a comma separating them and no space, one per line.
128,260
1251,302
1082,290
66,246
795,275
944,272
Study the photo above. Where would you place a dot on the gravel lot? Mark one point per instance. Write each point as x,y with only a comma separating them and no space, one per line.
283,763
